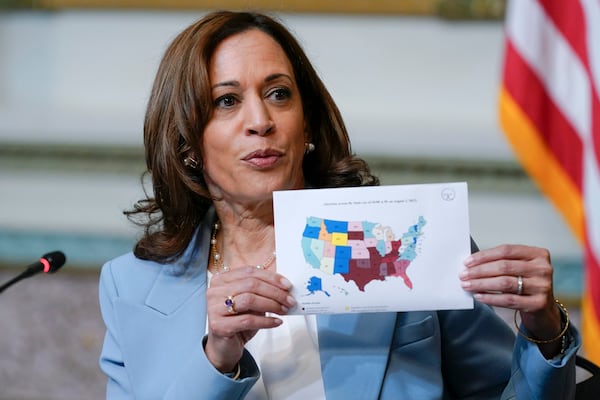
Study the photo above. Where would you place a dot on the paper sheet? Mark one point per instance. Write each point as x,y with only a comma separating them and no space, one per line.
374,249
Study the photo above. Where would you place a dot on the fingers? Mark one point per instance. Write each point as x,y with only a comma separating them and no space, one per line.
239,303
513,301
513,276
530,285
242,300
248,302
251,274
509,260
228,327
516,277
251,290
496,284
507,252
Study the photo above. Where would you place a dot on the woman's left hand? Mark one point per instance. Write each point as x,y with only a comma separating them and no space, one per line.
517,277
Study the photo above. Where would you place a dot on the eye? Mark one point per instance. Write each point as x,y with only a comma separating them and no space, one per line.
225,101
280,94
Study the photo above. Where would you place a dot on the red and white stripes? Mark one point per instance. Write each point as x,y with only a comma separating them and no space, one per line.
550,111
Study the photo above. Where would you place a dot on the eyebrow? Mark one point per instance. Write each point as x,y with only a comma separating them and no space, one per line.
226,83
269,78
272,77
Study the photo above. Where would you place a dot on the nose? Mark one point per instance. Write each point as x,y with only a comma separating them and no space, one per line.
258,118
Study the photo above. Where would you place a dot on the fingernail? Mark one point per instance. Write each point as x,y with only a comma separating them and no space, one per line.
463,274
291,301
468,261
285,309
465,284
287,284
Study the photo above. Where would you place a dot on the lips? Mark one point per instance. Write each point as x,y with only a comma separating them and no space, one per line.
263,158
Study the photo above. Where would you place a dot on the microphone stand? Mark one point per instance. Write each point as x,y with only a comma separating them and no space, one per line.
25,274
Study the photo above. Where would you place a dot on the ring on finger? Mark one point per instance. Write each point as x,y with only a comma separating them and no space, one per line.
519,285
230,304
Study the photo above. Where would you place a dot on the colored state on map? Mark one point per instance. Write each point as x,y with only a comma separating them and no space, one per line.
314,285
360,251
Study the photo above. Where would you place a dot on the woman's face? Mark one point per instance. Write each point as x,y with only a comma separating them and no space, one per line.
253,143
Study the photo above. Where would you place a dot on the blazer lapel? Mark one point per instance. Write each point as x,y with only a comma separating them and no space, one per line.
354,351
177,281
170,291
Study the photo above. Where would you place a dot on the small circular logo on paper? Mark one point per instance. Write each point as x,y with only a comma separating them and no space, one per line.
448,194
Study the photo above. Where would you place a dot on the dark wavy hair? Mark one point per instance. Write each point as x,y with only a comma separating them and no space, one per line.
180,106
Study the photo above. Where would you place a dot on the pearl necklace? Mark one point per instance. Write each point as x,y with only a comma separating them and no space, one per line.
218,263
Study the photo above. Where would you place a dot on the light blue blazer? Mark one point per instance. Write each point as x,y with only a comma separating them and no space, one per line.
155,315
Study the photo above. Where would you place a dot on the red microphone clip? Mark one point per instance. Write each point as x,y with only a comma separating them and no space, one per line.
46,264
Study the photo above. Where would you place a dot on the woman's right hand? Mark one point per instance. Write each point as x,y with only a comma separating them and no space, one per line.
253,292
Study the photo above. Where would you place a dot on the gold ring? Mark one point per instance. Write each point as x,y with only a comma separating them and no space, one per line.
230,304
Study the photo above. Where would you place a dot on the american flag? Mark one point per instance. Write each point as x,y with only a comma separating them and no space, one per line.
550,111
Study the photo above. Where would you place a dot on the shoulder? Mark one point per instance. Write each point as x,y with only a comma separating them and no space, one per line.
128,264
128,277
134,280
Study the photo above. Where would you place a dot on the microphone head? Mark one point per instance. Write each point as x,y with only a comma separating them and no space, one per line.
55,260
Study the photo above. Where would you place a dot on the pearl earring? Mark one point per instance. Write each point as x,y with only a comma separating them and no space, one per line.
308,147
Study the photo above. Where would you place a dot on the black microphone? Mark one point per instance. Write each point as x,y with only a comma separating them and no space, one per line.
49,263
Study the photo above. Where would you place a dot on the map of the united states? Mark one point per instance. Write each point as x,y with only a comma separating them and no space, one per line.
359,251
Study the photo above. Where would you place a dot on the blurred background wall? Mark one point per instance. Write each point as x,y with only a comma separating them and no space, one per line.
416,85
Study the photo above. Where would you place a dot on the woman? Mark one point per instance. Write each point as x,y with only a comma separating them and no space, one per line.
198,310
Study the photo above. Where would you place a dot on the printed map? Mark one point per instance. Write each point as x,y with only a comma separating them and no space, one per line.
359,251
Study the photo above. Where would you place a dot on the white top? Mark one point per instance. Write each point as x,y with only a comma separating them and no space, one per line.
288,359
